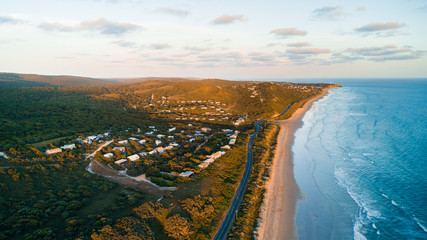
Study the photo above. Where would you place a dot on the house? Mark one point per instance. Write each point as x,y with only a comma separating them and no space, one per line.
121,161
121,149
152,127
160,135
171,137
160,150
149,133
174,144
142,154
226,147
192,139
92,138
123,142
158,142
142,141
53,151
217,154
69,146
227,130
2,154
133,158
133,139
205,129
171,129
109,155
203,165
168,147
152,152
187,174
232,141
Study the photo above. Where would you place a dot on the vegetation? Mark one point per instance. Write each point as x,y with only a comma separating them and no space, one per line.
54,197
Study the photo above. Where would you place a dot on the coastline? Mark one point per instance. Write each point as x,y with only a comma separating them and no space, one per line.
277,218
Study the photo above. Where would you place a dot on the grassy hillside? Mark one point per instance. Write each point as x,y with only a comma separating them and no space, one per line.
33,80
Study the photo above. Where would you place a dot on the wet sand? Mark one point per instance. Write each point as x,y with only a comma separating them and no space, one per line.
278,211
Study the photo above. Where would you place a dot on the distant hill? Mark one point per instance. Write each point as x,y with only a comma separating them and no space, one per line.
167,79
34,80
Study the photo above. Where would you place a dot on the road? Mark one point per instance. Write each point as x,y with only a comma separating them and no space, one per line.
97,150
240,192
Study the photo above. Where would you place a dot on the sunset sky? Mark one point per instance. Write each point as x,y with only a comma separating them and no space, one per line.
218,39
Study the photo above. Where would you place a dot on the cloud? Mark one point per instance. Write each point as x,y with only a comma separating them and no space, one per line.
159,46
173,11
386,53
228,19
308,51
327,13
261,57
361,9
299,44
287,32
196,49
9,20
123,43
375,27
100,25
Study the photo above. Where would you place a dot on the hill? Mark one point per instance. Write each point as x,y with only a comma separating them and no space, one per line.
34,80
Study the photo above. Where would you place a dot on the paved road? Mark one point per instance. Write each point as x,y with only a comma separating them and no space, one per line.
238,195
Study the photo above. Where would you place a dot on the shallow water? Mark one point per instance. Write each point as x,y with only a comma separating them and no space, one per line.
361,162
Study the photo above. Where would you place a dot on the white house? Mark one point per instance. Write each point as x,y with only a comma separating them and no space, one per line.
121,149
2,154
121,161
171,129
133,158
133,139
232,141
142,154
142,141
109,155
69,146
152,127
123,142
186,174
226,147
53,151
160,135
158,142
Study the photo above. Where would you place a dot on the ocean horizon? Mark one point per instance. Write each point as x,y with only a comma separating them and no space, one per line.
359,161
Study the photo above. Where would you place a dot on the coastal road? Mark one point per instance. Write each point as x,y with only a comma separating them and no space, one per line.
238,195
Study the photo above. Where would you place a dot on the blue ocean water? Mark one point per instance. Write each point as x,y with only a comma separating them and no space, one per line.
360,160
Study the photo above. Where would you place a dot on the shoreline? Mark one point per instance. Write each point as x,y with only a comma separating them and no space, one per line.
277,218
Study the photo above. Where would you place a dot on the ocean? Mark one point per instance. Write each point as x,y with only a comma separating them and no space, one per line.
360,161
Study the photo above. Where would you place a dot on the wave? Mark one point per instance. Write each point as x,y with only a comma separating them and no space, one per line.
424,228
358,114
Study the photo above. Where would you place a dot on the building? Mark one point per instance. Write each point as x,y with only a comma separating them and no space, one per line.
203,165
160,135
158,142
217,154
187,174
133,158
133,139
109,155
171,129
121,161
205,129
53,151
152,127
121,149
2,154
226,147
69,146
123,142
142,154
142,141
160,150
232,141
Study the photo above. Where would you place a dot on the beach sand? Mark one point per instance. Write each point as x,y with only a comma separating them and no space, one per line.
277,220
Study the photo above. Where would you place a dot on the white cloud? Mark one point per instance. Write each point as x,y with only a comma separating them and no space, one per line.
228,19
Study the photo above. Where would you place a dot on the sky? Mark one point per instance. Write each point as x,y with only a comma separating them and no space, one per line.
229,39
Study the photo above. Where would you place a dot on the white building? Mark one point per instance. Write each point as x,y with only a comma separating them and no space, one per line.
133,158
123,142
53,151
69,146
158,142
121,161
186,174
109,155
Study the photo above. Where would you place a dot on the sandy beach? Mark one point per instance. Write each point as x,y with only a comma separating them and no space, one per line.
278,210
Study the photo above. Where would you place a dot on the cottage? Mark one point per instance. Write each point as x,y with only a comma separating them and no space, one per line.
226,147
121,161
160,150
92,138
187,174
171,129
232,141
152,152
158,142
133,139
152,127
203,165
69,146
2,154
205,129
133,158
160,135
142,154
109,155
121,149
123,142
217,154
53,151
142,141
174,144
